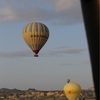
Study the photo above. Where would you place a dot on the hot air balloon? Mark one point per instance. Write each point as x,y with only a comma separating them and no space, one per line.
72,90
68,80
35,35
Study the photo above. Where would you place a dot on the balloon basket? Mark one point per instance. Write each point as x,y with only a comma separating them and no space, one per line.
35,55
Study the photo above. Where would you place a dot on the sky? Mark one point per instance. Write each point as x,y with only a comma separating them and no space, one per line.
64,56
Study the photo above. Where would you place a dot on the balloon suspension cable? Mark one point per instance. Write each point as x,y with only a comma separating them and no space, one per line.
35,55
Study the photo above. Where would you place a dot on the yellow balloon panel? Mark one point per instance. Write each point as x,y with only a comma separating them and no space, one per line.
35,35
72,90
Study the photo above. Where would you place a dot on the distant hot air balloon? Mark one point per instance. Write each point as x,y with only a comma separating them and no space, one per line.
72,90
35,35
68,80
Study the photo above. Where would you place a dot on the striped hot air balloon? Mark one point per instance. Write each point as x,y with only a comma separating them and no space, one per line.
35,35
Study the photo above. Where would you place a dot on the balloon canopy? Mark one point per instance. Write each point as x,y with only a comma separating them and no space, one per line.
35,35
72,90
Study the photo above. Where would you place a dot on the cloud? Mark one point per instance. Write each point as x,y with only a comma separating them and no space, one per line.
63,5
7,14
63,52
86,62
9,2
16,54
53,11
69,11
47,53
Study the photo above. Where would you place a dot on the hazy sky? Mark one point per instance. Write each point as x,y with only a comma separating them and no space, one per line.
64,56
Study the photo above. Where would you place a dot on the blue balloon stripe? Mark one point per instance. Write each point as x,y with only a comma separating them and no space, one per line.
31,27
36,27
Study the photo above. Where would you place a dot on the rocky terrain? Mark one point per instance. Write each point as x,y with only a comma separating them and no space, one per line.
33,94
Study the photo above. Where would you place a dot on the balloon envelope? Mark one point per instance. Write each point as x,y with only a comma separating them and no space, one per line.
72,90
35,35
